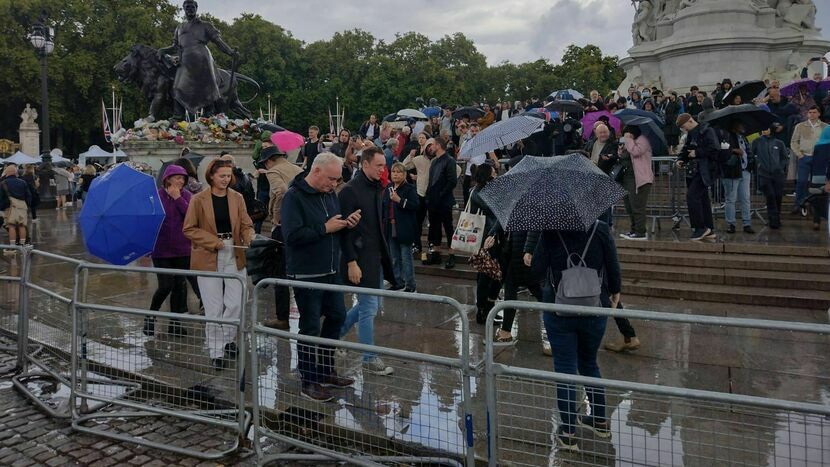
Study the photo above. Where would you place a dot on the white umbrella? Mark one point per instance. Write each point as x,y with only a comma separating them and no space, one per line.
412,113
21,159
501,134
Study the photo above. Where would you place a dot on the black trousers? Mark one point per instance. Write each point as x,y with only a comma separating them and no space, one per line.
282,295
511,292
420,216
624,325
466,184
773,190
170,284
487,291
440,218
700,208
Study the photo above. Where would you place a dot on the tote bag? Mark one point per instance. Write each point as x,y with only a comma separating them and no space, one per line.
469,233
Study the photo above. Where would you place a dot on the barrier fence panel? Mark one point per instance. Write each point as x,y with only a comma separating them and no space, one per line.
12,300
46,324
648,424
418,415
189,400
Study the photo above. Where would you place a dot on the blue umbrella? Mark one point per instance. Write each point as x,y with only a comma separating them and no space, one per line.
432,111
631,113
122,215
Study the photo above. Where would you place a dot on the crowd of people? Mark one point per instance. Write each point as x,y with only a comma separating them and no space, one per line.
351,210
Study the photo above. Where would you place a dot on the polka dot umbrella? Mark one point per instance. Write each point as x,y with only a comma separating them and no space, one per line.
551,193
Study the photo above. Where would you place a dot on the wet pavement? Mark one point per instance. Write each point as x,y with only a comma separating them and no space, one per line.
417,410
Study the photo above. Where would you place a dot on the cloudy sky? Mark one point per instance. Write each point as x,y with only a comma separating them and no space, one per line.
514,30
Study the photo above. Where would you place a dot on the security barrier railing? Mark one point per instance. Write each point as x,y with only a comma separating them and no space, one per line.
164,392
173,369
419,415
648,424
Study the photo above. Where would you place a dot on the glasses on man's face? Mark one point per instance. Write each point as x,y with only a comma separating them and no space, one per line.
774,87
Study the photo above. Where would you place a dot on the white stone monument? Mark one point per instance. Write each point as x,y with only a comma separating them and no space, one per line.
681,43
29,132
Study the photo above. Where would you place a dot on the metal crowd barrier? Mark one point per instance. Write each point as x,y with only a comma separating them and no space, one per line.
174,374
649,424
45,330
408,418
12,300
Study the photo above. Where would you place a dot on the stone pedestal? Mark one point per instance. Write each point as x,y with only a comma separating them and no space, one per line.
155,153
716,39
30,140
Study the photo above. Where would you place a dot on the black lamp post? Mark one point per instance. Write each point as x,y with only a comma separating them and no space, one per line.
42,39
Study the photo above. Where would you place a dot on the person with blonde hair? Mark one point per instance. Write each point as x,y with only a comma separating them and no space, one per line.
15,196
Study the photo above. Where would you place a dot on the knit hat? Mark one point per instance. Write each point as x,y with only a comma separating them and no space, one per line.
172,170
682,119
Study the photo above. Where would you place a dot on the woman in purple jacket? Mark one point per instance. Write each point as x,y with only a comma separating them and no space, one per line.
172,250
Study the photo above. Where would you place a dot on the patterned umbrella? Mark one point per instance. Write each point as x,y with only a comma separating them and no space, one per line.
502,134
551,193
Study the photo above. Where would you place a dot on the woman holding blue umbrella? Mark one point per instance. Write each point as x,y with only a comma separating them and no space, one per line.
217,225
172,250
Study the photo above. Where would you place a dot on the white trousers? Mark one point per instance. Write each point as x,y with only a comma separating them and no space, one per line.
223,300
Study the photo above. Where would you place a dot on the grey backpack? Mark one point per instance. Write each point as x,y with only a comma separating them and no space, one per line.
580,285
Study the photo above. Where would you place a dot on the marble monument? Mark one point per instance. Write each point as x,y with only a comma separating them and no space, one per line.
681,43
29,132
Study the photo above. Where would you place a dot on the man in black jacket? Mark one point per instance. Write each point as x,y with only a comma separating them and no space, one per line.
698,158
440,201
311,222
366,259
772,160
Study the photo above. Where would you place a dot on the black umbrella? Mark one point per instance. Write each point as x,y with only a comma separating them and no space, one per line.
193,157
748,90
472,113
565,106
631,113
551,193
268,126
753,118
261,258
651,130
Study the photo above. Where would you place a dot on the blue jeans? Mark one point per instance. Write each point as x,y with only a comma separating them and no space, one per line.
402,263
363,314
805,170
316,362
737,189
575,341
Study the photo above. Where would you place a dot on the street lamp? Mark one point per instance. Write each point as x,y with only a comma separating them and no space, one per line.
42,39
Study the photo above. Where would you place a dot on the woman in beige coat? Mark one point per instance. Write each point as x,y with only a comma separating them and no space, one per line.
217,225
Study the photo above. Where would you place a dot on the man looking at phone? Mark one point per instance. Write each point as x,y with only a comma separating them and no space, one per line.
366,259
311,226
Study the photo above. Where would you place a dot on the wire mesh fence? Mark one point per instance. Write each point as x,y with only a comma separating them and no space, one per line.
10,285
169,358
321,395
547,418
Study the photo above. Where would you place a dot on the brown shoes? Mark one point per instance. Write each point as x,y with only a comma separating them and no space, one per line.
625,346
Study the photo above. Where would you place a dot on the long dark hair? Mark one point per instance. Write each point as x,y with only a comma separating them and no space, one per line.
482,174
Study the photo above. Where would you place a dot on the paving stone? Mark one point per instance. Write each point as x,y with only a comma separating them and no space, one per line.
91,457
105,462
140,460
59,460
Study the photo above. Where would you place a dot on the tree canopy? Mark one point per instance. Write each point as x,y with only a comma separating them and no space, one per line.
367,74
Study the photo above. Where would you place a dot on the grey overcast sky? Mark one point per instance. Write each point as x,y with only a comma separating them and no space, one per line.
514,30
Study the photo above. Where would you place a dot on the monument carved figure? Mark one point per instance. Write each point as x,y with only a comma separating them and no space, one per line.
643,28
28,117
185,74
796,13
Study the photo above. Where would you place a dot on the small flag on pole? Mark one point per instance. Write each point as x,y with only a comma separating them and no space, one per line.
105,122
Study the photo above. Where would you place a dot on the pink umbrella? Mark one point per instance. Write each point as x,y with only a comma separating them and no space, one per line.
591,118
287,140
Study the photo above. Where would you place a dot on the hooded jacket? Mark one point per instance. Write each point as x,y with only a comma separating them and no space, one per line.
771,156
171,242
310,252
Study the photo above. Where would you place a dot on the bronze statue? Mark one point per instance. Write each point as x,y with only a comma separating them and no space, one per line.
185,73
196,87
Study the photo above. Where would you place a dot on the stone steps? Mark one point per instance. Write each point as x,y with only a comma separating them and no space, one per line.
790,277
